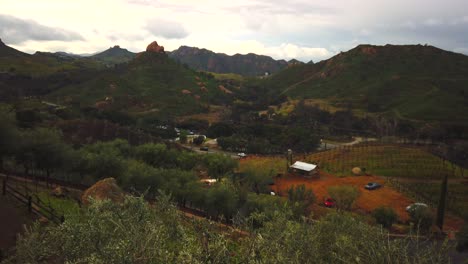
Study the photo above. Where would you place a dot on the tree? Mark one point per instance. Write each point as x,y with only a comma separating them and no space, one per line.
44,149
256,177
219,165
344,196
385,216
198,140
153,154
222,199
183,136
9,136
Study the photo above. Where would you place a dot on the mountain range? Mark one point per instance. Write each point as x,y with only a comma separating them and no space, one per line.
246,65
410,82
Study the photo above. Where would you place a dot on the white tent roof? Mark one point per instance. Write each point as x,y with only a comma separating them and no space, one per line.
303,166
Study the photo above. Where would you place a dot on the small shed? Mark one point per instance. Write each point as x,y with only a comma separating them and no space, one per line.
304,168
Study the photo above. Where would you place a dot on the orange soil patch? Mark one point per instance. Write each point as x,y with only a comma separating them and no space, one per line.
367,201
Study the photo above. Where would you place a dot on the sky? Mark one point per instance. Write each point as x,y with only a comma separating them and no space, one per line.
301,29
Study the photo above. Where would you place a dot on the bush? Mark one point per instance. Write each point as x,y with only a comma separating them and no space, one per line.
422,218
300,199
385,216
344,196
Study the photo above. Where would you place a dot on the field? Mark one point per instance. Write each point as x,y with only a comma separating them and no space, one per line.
415,171
384,160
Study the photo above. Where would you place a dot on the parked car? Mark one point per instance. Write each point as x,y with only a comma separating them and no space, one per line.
329,202
414,206
242,155
372,186
204,148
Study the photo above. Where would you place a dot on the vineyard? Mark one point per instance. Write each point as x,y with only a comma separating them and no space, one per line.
384,160
409,170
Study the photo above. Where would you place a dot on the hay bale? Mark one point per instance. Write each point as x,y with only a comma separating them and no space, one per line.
102,190
356,171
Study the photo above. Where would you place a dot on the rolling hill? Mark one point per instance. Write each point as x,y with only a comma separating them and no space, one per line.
247,65
411,82
114,55
151,83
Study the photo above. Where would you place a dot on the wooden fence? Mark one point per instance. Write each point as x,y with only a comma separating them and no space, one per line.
33,203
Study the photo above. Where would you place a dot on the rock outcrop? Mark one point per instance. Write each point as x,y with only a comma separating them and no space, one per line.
154,47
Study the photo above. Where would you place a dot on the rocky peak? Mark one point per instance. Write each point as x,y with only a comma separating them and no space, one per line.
116,47
154,47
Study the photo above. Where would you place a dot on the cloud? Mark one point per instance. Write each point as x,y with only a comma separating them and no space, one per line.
292,51
16,31
166,29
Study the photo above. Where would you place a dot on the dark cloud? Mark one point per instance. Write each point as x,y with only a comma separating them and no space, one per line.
166,29
16,31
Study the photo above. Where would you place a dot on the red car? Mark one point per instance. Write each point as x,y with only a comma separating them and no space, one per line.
329,202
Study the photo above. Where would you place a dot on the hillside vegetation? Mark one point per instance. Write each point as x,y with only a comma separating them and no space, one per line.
247,65
409,82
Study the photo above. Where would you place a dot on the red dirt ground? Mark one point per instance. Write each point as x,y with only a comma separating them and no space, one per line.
367,201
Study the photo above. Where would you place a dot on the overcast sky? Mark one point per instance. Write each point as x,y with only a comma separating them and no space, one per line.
283,29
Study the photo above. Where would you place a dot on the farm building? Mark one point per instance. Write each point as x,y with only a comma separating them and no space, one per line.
303,168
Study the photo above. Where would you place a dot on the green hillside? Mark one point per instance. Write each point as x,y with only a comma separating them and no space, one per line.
150,84
41,63
246,65
412,82
114,55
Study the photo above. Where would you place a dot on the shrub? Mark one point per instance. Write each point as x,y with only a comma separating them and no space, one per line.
385,216
300,199
422,218
344,196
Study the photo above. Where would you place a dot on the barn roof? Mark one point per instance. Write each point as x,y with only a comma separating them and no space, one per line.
299,165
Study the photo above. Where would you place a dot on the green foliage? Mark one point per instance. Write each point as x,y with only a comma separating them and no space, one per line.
222,199
300,199
106,232
385,216
344,196
198,140
219,165
9,134
153,154
422,218
44,149
384,81
257,177
219,130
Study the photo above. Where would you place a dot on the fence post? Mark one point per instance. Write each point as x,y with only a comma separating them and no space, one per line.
4,187
30,204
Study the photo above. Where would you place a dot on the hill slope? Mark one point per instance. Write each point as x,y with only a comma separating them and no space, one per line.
413,82
247,65
152,83
114,55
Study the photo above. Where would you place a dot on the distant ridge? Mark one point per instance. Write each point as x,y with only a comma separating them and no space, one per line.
247,65
114,55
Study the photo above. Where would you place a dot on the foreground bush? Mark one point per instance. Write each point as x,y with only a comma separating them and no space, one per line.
135,232
385,216
344,196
